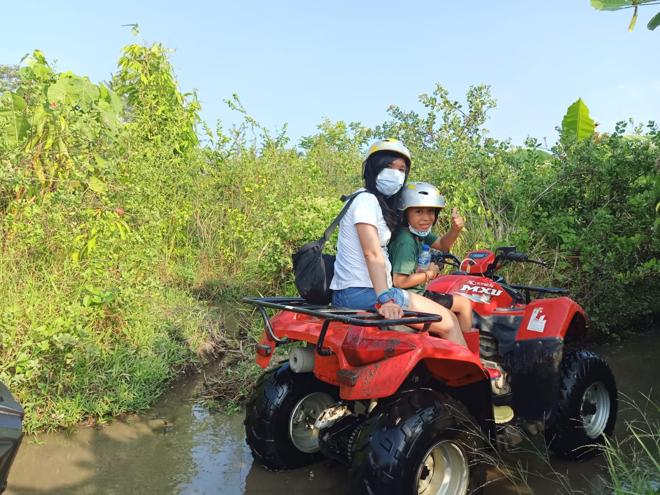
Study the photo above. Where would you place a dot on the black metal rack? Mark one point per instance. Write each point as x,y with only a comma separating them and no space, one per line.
528,289
359,317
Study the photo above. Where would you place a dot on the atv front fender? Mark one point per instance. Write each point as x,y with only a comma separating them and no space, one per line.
551,318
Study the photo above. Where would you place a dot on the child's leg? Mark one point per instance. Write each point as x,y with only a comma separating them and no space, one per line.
457,304
463,309
447,328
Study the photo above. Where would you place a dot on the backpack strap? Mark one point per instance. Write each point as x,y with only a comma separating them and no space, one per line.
335,222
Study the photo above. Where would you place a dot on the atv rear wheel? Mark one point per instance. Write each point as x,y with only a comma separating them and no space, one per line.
280,416
423,443
587,406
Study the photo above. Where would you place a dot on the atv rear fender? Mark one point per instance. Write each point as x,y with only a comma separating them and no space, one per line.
445,361
389,359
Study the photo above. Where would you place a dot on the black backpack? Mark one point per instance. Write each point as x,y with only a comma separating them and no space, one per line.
314,270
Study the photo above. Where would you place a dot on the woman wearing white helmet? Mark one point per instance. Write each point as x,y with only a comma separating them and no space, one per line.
362,277
363,273
421,203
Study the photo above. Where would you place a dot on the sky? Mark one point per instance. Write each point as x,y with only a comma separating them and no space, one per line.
299,62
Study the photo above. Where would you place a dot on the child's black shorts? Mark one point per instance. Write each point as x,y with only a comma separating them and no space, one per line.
446,300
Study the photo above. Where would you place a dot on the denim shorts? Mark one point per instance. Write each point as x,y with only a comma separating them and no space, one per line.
365,298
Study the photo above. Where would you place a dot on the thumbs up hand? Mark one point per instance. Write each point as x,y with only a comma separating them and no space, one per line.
457,222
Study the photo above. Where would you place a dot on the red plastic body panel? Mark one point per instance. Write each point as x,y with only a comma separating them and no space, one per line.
453,364
477,262
472,341
547,318
486,295
542,317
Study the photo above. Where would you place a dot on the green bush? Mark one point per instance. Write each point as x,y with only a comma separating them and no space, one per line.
599,214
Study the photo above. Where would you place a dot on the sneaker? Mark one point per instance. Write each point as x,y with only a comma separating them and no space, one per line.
502,414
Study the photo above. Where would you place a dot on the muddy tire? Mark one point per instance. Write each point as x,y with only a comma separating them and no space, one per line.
279,418
424,443
587,406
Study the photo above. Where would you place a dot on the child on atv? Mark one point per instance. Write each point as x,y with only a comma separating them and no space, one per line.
421,203
362,276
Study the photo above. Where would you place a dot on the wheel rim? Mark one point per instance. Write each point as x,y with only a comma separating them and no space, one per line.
595,409
444,471
303,433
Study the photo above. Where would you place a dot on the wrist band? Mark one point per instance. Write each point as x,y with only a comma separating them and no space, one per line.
387,291
384,297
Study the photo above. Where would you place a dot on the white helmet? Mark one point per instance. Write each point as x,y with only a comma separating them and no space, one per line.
421,195
390,145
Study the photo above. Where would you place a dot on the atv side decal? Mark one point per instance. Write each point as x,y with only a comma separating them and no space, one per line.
537,321
477,289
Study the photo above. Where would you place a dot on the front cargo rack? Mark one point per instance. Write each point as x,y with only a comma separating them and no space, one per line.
359,317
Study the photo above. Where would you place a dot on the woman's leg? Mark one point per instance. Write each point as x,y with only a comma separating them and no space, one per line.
463,309
448,328
354,298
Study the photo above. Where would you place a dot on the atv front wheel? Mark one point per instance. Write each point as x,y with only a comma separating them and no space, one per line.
280,416
587,406
424,443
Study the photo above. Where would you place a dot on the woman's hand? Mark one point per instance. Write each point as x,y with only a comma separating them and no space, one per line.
390,311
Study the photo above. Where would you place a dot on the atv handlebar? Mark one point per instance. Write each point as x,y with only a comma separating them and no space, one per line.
441,257
518,256
502,255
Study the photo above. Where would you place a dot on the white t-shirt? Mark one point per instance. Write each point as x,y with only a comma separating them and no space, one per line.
350,264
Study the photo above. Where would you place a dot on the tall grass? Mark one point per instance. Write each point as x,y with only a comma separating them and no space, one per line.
633,460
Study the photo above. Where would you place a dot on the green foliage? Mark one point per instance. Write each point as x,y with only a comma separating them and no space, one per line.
628,4
600,215
90,225
577,124
654,22
115,221
8,77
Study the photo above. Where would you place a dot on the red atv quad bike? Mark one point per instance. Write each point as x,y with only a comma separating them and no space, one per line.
410,413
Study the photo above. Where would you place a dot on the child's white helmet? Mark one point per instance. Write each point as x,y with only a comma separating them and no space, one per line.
421,195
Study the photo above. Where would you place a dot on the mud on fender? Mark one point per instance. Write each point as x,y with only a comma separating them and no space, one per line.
534,367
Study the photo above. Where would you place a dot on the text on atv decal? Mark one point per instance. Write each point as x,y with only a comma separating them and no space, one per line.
475,289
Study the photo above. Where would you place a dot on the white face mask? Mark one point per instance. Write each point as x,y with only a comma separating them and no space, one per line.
420,233
389,181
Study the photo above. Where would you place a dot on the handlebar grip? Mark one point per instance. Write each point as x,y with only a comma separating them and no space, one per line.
517,256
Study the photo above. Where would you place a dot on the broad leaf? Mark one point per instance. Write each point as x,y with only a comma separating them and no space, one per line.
654,22
73,90
576,122
13,124
106,94
97,186
611,4
618,4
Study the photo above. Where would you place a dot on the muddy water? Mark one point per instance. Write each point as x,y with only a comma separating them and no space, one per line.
181,447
